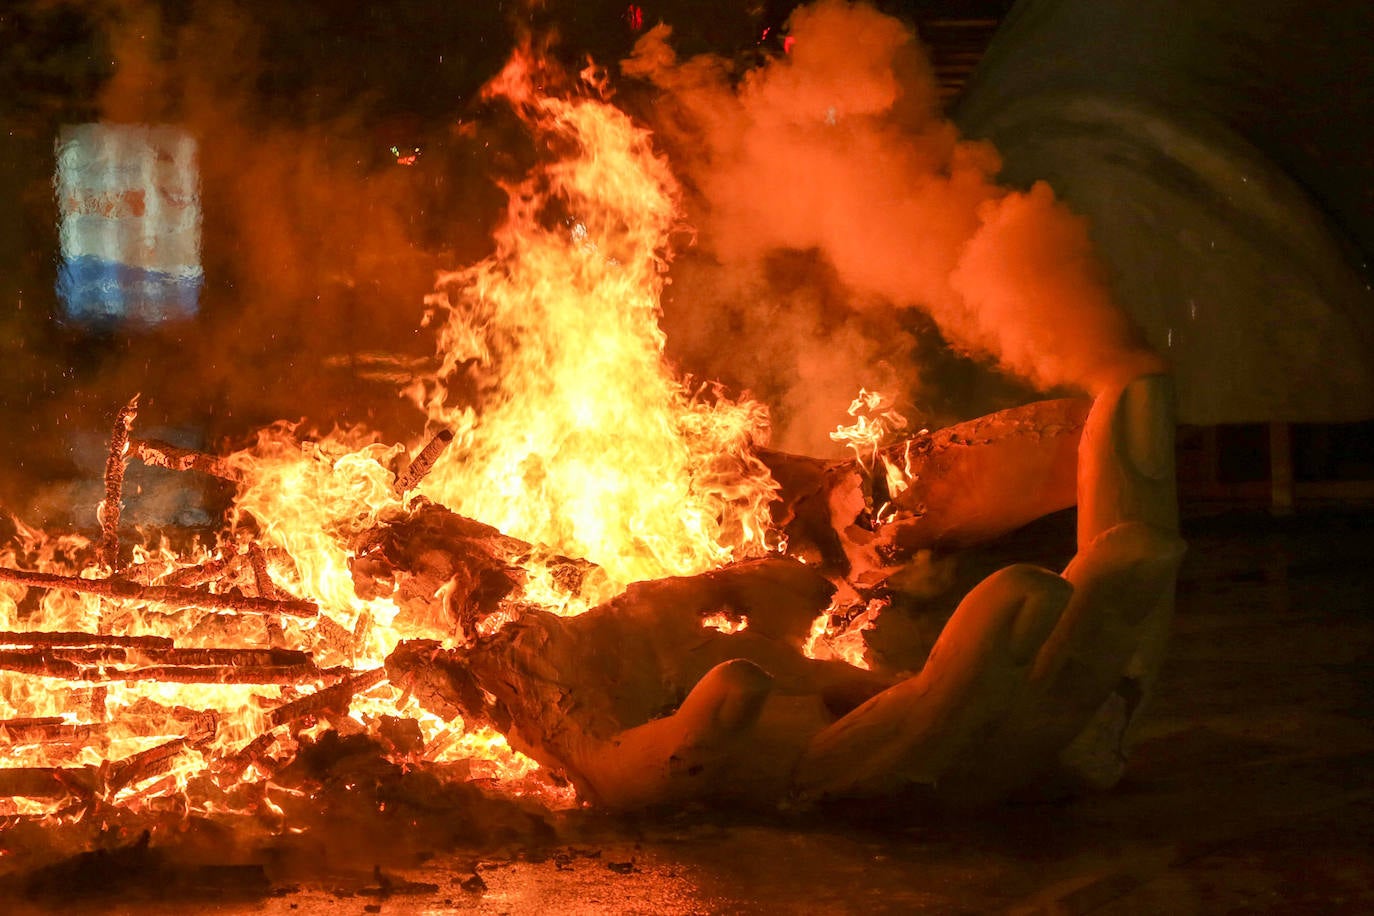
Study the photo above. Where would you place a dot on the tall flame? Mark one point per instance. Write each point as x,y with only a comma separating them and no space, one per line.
571,431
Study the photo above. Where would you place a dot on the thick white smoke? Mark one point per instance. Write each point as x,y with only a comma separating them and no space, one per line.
839,149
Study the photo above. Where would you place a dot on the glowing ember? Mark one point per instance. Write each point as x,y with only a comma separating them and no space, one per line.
837,634
406,156
725,623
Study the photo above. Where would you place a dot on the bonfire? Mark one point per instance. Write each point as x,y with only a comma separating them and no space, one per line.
587,580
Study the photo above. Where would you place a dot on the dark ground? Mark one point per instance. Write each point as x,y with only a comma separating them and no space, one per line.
1251,792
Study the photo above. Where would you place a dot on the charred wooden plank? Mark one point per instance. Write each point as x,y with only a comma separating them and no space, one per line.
334,636
56,638
208,571
41,663
266,588
163,594
175,458
251,753
30,722
327,698
334,699
418,469
95,664
227,656
232,657
221,569
143,765
109,509
262,579
18,659
93,782
49,730
218,674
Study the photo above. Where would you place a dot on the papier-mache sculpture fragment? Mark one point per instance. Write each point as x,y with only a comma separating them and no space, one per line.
1036,672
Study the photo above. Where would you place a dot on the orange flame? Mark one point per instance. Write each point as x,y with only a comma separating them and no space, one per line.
578,437
570,432
875,423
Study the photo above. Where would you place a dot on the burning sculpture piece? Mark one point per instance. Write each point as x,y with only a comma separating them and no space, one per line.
638,703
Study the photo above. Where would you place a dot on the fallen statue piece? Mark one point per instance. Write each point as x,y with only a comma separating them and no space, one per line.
638,703
966,484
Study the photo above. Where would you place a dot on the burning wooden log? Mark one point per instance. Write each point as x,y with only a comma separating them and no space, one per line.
332,700
145,764
49,730
225,674
99,665
163,594
335,637
262,579
40,663
194,656
233,765
175,458
18,725
49,638
109,778
418,469
109,509
209,571
266,588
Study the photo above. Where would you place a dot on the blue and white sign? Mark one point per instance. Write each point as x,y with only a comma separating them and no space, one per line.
129,203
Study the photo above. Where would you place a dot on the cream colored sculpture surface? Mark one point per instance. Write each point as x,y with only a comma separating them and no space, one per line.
1036,674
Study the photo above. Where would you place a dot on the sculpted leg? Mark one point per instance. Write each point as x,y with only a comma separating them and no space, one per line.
1095,670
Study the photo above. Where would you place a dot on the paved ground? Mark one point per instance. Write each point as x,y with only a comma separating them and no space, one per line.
1252,792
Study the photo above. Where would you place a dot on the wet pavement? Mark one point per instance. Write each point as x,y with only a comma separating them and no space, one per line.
1252,790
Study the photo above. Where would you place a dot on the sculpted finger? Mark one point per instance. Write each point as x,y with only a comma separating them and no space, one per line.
1126,459
912,732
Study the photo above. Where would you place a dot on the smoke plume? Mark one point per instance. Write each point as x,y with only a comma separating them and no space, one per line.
838,150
